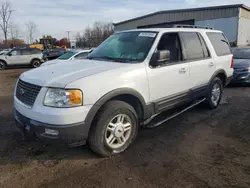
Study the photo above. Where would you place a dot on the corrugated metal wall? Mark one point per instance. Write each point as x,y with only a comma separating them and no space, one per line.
197,15
244,28
229,26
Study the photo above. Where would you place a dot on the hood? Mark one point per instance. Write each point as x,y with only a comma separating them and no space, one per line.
51,62
241,63
61,74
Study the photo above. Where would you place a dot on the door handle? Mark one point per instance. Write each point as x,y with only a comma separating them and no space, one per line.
182,70
211,64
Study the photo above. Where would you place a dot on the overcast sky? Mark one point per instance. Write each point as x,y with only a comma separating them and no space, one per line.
55,17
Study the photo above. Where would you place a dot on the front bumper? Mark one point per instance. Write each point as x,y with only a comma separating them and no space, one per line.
241,78
73,134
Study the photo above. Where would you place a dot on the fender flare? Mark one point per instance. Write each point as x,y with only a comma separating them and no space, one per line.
216,74
96,107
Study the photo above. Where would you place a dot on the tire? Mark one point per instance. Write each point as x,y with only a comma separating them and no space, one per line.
105,135
2,65
35,63
214,94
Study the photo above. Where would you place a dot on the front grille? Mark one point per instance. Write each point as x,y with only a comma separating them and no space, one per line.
27,92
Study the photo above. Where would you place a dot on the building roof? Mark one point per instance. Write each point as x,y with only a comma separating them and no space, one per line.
187,10
169,30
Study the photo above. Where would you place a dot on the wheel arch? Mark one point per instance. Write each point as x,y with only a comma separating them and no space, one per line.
35,58
220,74
128,95
3,61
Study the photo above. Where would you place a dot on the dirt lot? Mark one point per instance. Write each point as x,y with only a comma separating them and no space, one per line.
200,148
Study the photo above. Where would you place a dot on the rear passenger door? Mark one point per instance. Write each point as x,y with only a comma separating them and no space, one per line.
222,52
202,66
25,56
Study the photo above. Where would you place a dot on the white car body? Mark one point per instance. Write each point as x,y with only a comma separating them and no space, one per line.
74,57
97,79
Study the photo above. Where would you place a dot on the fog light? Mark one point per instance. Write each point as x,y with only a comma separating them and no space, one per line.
51,132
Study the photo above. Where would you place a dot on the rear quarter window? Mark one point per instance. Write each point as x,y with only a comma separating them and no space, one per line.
220,43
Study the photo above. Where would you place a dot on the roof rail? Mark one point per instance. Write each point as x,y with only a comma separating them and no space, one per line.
192,26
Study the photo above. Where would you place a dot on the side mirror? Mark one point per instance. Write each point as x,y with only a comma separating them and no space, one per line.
159,58
10,54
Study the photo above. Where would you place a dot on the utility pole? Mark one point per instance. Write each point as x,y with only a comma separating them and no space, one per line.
68,37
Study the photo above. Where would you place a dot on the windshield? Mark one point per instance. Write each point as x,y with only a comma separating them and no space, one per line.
125,47
241,53
66,56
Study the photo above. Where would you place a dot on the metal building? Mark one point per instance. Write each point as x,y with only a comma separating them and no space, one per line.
233,20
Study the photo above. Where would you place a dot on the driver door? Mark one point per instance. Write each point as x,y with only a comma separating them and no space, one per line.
13,57
169,83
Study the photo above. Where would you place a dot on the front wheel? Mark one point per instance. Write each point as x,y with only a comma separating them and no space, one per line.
2,65
115,128
214,93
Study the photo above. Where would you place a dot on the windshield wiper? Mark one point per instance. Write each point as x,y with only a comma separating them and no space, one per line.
111,59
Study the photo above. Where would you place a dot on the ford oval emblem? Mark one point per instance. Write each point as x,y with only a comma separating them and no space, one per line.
22,92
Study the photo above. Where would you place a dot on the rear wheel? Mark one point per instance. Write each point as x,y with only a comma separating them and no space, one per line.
115,128
35,63
2,65
214,93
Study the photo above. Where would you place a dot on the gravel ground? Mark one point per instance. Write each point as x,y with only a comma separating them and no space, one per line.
200,148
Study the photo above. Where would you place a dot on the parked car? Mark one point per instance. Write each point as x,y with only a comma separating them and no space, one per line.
71,55
4,51
28,56
241,66
54,53
126,81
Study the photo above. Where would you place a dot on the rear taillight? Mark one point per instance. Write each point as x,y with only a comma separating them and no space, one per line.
232,63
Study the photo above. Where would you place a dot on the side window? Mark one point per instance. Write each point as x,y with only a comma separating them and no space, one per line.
25,52
82,55
193,48
35,51
204,46
220,43
15,52
171,42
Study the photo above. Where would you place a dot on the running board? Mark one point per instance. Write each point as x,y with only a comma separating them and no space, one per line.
157,124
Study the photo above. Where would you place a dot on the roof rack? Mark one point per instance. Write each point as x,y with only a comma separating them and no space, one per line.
193,26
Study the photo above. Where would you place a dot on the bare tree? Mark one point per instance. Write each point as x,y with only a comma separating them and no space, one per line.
93,36
5,15
14,31
32,29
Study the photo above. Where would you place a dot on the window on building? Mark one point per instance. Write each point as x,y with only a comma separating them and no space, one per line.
219,43
193,47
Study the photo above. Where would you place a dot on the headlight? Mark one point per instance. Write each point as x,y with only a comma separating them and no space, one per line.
63,98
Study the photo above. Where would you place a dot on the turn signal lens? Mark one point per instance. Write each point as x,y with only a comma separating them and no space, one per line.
75,97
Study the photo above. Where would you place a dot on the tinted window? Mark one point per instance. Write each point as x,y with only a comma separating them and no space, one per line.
193,47
35,51
82,55
25,52
241,53
204,46
14,52
171,42
66,56
219,43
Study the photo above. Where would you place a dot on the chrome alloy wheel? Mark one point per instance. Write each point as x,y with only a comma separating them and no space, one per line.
118,131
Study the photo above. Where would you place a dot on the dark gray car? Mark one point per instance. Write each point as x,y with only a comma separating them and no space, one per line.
241,65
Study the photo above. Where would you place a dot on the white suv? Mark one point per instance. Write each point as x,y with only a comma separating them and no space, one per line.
27,56
128,79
